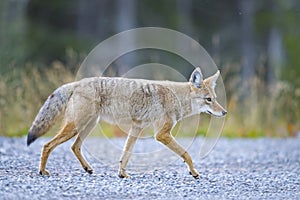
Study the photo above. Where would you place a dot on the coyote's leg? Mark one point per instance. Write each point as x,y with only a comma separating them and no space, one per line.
76,147
65,134
164,136
127,151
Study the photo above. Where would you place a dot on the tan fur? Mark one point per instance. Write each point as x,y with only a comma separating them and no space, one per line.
141,103
65,134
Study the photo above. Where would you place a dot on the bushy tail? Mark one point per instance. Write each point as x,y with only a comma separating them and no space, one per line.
54,107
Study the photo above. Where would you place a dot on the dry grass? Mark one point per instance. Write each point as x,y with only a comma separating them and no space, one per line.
22,93
271,113
265,111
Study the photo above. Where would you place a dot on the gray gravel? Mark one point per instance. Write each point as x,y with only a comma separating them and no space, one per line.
235,169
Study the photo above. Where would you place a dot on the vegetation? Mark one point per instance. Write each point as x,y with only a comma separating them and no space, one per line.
22,93
255,43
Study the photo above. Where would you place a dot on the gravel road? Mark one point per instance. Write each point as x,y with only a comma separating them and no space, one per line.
235,169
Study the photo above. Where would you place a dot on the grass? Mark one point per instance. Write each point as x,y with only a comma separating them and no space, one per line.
22,93
275,114
266,111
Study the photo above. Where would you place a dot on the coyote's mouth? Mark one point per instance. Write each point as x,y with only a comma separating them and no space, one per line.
223,114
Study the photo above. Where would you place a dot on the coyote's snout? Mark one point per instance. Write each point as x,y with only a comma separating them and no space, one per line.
141,103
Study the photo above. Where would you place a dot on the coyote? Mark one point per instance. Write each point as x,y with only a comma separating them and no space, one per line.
140,103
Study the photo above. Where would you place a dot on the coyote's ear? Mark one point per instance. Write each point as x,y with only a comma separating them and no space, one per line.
213,79
196,77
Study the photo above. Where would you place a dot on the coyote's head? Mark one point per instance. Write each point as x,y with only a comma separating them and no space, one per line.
203,96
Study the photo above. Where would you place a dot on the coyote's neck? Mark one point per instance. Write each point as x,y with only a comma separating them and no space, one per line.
182,90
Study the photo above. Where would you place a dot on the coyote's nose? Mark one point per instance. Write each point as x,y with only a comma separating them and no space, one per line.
224,112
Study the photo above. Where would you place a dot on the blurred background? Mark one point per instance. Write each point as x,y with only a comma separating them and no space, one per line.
254,43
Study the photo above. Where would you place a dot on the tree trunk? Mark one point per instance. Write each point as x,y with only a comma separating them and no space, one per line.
247,43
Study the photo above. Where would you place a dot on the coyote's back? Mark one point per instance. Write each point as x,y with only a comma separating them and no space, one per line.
114,100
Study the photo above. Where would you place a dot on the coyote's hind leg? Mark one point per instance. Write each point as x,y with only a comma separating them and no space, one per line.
67,132
76,147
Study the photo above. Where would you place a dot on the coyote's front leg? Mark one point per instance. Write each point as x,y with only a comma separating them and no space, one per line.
164,136
127,150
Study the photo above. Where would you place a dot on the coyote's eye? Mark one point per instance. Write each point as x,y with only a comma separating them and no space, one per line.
208,99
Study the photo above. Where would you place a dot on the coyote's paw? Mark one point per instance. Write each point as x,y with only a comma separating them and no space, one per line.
123,174
44,173
195,174
89,170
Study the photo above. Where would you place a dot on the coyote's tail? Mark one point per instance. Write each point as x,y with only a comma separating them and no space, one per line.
54,107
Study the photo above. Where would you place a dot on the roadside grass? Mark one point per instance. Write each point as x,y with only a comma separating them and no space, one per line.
275,114
22,93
